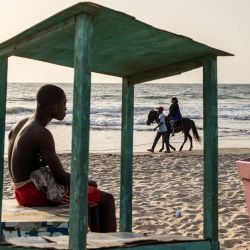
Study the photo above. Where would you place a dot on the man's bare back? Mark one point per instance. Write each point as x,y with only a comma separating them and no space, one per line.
27,142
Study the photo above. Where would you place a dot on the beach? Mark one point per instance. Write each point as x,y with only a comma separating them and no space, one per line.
165,183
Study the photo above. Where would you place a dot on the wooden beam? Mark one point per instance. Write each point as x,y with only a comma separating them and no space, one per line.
80,133
210,150
3,93
166,71
34,38
126,156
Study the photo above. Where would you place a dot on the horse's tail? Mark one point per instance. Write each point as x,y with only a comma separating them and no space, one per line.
195,132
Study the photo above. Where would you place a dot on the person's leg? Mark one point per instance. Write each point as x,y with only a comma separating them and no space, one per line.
101,210
165,137
172,122
157,137
106,209
94,223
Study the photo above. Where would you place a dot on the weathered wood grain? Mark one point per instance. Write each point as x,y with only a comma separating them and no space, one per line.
80,133
116,241
12,212
121,46
126,180
3,93
210,121
166,71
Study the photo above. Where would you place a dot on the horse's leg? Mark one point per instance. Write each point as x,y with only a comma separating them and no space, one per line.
191,141
185,139
172,147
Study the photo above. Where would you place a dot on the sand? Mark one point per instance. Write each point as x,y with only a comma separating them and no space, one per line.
164,183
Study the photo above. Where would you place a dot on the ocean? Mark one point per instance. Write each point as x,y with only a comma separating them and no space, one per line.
233,113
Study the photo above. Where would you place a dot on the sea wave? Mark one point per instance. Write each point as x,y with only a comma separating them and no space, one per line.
232,97
19,110
106,105
21,99
233,132
106,110
236,116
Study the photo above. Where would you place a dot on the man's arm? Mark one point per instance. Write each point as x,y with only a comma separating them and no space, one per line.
159,124
162,120
47,144
51,159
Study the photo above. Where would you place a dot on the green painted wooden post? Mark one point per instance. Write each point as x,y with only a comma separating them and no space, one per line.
3,93
80,133
126,156
210,150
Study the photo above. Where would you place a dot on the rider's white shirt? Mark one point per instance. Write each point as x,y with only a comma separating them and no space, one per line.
163,127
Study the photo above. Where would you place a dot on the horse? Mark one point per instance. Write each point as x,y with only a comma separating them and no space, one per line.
186,126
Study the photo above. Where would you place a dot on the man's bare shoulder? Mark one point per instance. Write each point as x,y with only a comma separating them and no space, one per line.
42,135
15,130
45,133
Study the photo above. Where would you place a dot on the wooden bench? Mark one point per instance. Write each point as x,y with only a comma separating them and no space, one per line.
20,221
50,226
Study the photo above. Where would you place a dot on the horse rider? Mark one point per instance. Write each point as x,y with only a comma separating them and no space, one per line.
174,114
162,129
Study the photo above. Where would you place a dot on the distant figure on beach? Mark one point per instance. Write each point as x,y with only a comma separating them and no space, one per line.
162,129
36,170
174,114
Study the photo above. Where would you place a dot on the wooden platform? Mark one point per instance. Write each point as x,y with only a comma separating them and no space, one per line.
49,228
12,212
114,241
20,221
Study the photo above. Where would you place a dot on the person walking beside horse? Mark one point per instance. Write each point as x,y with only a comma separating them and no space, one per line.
162,130
187,125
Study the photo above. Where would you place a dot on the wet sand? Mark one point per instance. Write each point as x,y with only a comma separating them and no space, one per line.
164,183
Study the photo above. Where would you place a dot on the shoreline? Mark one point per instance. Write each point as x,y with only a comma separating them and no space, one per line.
102,141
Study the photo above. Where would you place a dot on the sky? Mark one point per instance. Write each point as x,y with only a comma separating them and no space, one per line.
223,24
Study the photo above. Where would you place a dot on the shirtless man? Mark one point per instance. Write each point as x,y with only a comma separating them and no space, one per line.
31,153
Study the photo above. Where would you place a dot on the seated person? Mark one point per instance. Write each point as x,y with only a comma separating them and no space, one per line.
174,114
36,170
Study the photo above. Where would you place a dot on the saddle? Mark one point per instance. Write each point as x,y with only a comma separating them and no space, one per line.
178,124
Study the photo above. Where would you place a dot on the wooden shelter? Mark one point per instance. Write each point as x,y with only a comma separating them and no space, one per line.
93,38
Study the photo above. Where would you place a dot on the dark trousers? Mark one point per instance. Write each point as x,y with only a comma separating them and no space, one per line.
158,136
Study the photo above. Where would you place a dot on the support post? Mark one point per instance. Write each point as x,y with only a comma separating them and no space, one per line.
80,133
210,151
3,93
126,181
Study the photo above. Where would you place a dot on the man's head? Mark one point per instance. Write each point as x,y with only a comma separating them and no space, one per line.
174,100
53,99
160,109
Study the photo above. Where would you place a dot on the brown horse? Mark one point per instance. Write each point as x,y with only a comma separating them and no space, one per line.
185,127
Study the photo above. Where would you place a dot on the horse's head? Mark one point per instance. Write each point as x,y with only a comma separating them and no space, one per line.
152,116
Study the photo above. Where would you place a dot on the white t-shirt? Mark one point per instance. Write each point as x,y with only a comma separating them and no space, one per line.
163,127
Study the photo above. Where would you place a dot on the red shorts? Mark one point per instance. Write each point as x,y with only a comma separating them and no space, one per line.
29,196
